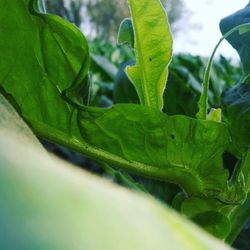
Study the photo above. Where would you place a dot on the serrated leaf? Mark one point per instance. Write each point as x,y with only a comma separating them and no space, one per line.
153,46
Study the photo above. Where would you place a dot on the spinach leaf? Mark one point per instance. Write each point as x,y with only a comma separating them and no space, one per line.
162,145
49,59
239,40
153,45
211,214
236,112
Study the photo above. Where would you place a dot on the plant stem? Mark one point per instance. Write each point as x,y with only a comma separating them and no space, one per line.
203,102
172,174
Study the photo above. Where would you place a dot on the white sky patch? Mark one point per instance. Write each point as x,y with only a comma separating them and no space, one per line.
200,34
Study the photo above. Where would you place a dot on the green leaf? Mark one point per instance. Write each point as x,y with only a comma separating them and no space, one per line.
203,102
215,223
239,40
153,45
210,214
49,204
180,95
235,106
214,115
126,33
161,145
49,61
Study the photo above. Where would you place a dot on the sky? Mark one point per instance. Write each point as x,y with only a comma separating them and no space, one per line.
200,33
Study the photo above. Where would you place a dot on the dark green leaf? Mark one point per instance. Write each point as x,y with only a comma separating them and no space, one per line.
124,90
180,96
239,40
236,112
211,214
102,65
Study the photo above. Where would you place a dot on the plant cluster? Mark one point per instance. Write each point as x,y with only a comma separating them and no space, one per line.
162,125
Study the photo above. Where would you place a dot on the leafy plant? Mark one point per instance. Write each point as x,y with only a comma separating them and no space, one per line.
45,77
49,204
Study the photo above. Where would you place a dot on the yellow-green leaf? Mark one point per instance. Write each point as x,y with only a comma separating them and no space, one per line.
153,45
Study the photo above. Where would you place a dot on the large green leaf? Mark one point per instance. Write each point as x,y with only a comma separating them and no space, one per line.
153,45
48,204
178,149
41,57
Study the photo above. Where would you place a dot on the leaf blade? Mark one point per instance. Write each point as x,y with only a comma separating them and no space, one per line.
153,44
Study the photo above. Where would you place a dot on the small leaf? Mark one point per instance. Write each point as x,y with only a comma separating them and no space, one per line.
126,32
153,46
214,115
211,214
104,65
214,222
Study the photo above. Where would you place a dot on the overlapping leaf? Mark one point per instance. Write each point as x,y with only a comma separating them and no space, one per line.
48,204
41,56
236,111
176,148
43,76
239,40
